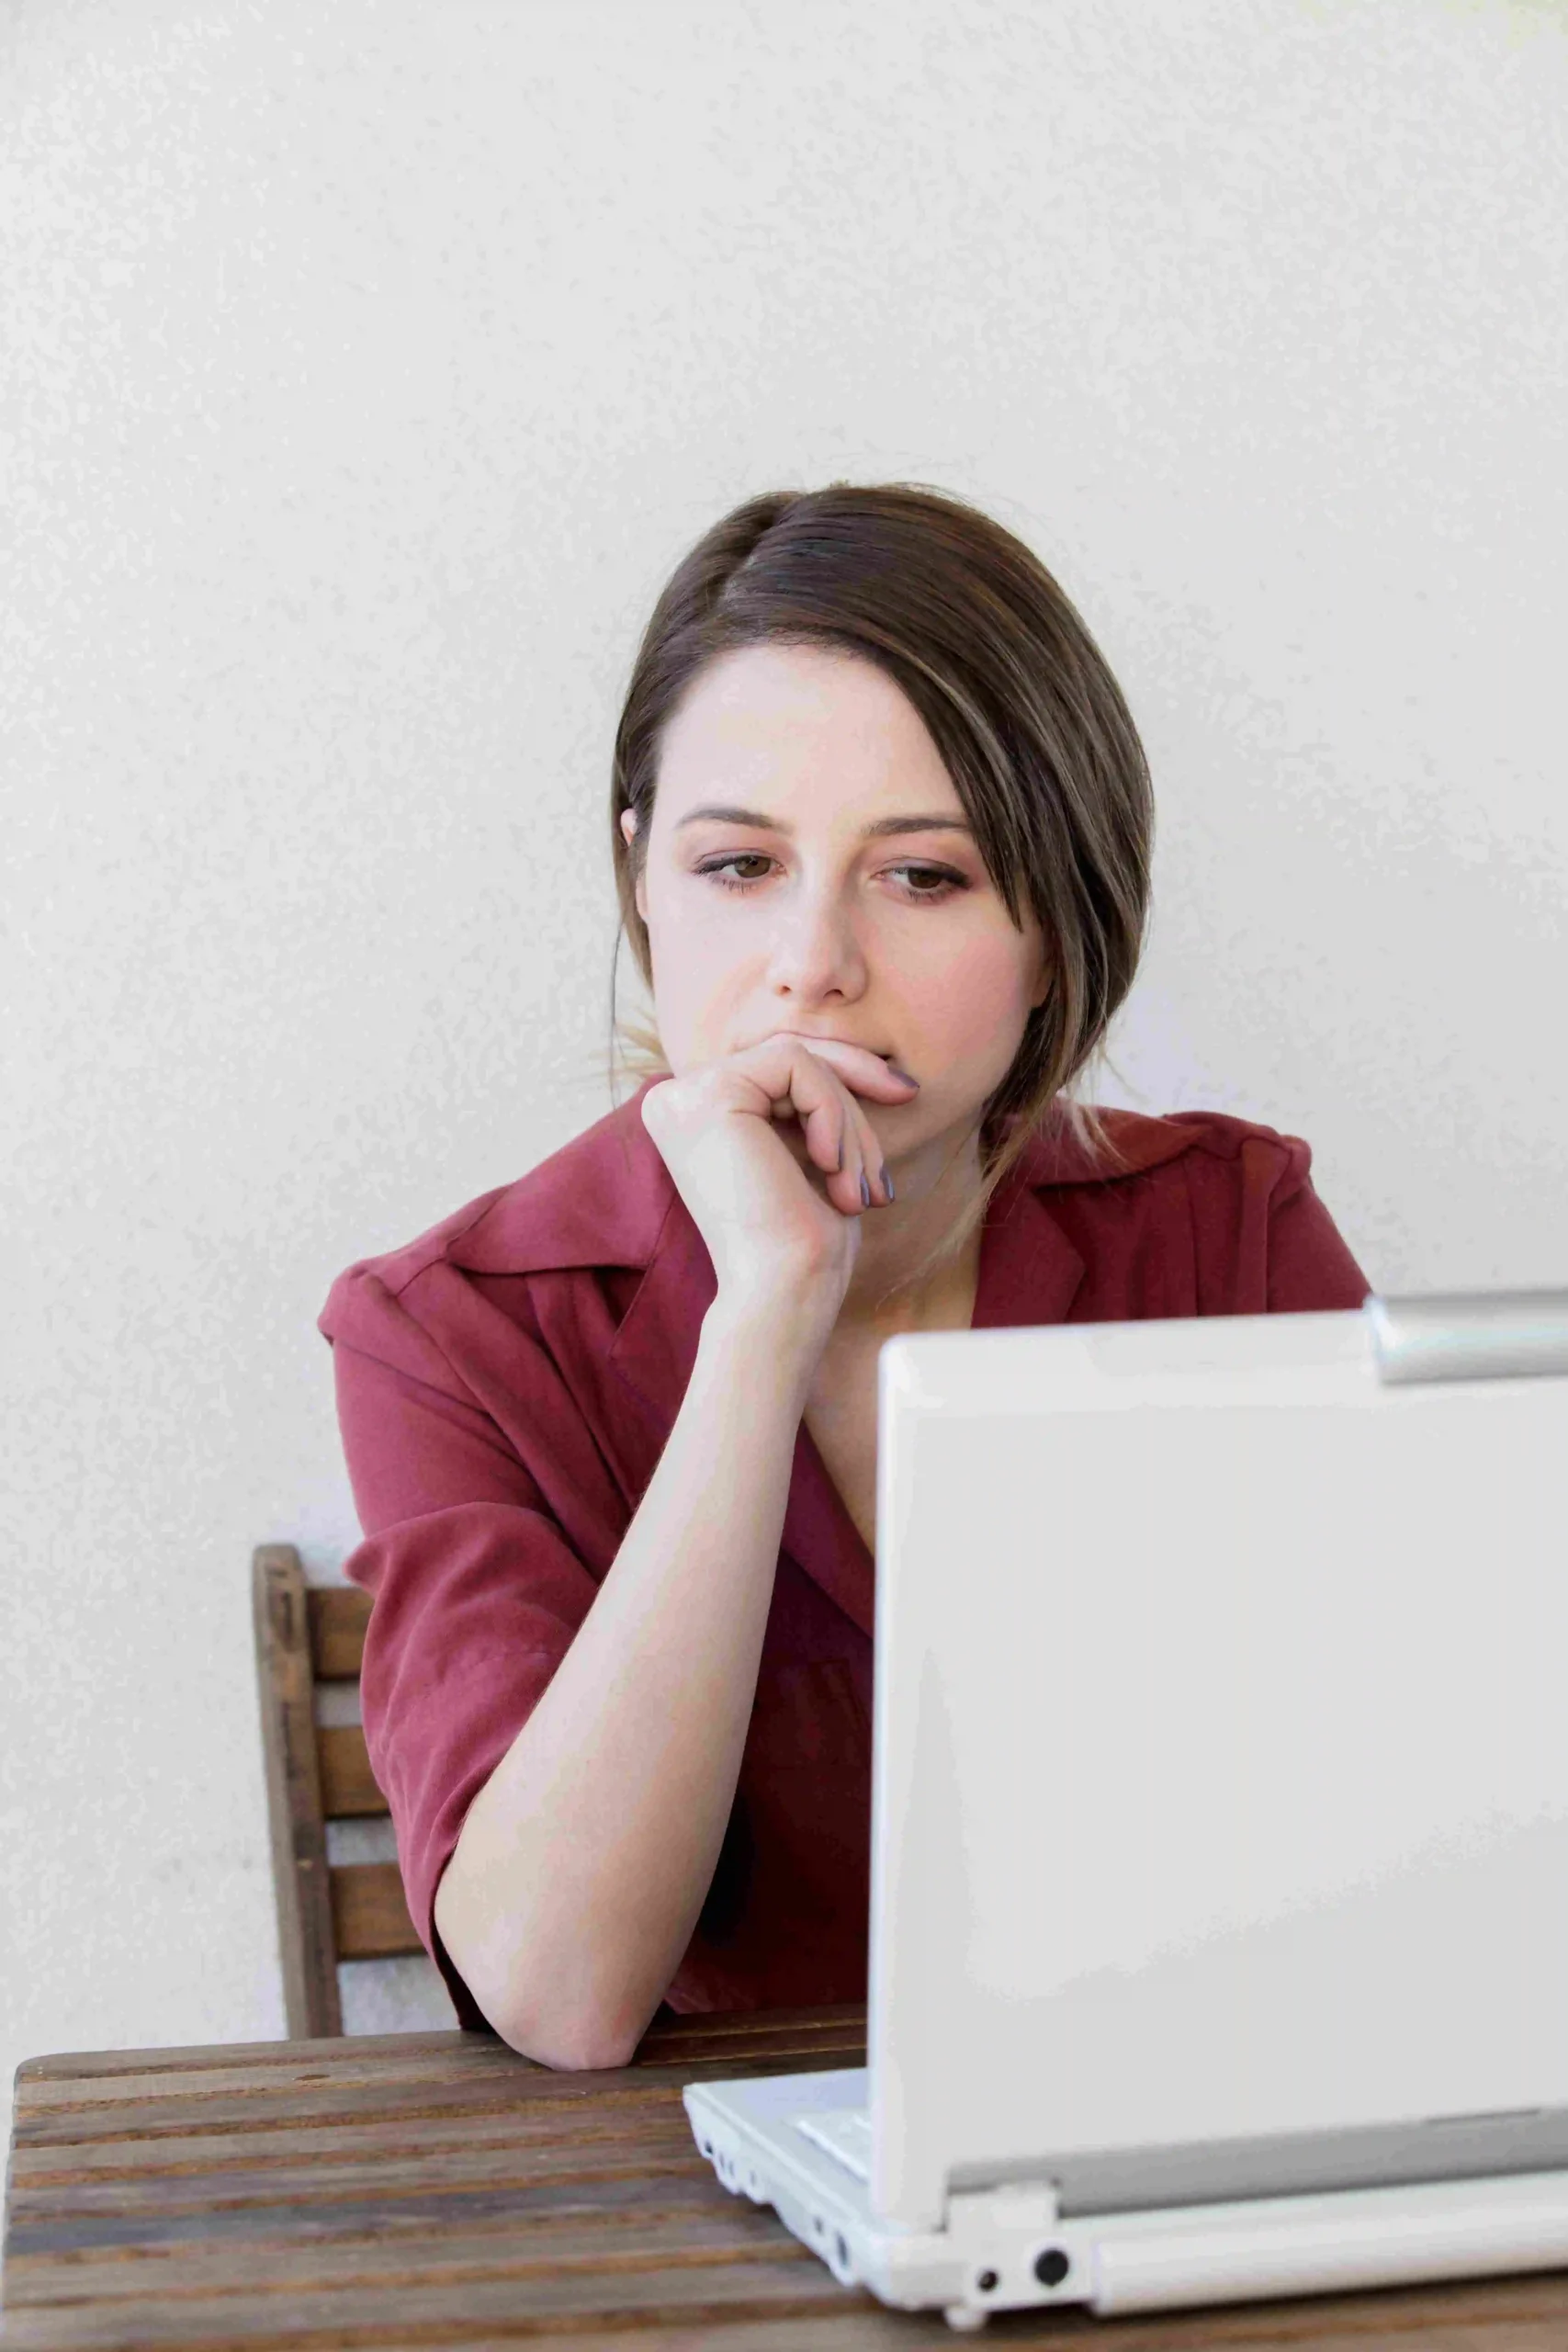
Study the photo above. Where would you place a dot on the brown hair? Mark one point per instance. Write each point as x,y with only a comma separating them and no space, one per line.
1014,693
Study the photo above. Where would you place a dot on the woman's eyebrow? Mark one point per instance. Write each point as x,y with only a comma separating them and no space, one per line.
724,815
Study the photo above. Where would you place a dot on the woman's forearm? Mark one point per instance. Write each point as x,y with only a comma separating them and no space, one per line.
584,1860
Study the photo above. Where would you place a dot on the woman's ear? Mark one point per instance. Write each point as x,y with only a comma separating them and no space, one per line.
628,834
1046,983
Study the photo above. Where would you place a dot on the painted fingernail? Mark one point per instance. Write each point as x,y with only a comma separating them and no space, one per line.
865,1190
894,1071
887,1182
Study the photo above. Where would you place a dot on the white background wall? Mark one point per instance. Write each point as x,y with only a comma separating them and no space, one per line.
366,369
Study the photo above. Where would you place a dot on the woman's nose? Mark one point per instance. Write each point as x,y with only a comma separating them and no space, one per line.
816,951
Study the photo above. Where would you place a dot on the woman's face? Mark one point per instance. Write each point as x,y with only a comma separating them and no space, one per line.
810,868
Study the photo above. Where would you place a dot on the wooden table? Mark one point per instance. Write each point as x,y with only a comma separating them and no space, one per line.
433,2189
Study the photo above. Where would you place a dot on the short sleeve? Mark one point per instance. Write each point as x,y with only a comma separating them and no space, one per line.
1263,1239
478,1592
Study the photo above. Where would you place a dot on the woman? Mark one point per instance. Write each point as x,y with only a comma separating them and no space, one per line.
882,826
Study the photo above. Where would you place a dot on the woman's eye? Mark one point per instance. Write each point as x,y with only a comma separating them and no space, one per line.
719,868
932,882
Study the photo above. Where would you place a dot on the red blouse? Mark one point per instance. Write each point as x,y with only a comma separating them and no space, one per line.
506,1384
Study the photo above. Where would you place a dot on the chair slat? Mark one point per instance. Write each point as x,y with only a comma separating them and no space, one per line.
339,1614
348,1786
370,1915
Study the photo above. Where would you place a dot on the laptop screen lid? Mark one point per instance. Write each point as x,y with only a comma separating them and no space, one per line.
1219,1747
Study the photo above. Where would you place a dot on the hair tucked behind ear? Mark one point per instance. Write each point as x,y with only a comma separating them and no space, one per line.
1016,697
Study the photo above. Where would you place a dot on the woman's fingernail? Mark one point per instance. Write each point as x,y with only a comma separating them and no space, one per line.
865,1190
886,1182
894,1071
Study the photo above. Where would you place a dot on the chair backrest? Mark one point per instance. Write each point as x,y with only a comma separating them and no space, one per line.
327,1912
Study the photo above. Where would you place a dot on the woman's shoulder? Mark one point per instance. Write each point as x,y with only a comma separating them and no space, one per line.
1102,1143
600,1199
1214,1212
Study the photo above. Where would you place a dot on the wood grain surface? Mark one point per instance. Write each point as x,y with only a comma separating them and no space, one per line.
436,2189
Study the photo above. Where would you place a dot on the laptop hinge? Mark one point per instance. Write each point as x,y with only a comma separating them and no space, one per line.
1020,2208
1469,1335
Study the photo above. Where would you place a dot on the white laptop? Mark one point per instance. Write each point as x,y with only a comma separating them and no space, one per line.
1219,1934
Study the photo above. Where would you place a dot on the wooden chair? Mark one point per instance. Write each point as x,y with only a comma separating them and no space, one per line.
317,1773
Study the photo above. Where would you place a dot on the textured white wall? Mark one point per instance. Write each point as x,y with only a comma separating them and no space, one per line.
365,370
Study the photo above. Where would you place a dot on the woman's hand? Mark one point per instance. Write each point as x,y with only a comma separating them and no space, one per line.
773,1233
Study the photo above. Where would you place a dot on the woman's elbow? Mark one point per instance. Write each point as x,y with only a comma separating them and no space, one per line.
572,2042
574,2028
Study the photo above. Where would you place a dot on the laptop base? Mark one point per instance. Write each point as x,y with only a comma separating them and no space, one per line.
1010,2248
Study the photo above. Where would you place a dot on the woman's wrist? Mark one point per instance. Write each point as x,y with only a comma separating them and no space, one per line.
774,1336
